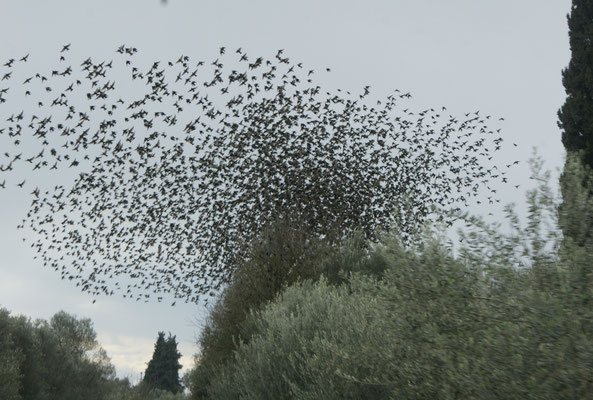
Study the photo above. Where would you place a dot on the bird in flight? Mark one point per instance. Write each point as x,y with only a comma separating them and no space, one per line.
258,136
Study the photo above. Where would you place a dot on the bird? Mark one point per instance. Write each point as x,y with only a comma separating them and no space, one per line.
259,136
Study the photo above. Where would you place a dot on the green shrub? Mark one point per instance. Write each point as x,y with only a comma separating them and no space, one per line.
281,255
508,317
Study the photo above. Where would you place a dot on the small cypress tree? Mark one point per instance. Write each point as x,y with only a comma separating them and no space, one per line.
162,371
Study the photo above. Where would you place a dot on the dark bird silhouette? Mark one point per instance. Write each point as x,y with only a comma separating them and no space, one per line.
174,209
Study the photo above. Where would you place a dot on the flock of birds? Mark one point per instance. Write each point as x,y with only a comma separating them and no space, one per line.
174,175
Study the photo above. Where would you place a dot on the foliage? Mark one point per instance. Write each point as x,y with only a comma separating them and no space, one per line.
283,253
60,359
11,358
355,255
123,390
576,217
162,371
576,115
508,317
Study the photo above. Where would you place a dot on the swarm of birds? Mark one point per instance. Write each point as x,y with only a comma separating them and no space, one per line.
176,174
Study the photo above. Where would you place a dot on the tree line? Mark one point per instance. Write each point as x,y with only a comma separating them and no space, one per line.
61,359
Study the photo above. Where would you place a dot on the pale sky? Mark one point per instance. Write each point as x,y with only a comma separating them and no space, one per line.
502,57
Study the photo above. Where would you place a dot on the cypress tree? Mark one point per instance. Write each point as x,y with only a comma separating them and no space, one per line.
576,115
162,371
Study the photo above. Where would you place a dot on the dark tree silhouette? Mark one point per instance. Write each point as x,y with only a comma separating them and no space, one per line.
162,371
175,174
576,115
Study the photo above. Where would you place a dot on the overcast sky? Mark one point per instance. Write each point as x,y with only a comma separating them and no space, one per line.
502,57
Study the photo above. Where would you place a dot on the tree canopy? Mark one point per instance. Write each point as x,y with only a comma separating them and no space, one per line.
59,359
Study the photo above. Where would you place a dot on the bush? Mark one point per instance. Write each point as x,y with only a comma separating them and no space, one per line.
282,256
508,317
321,341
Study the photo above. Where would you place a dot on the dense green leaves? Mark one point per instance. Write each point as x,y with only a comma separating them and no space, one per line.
505,316
11,358
56,360
285,253
576,115
282,254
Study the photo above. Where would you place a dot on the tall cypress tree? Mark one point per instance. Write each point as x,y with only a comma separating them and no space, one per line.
162,371
576,115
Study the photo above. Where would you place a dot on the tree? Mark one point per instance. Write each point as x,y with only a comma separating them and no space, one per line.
162,371
25,337
173,199
508,316
280,256
576,115
76,335
76,365
60,359
10,361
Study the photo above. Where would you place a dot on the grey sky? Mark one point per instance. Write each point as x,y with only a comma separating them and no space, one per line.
501,57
